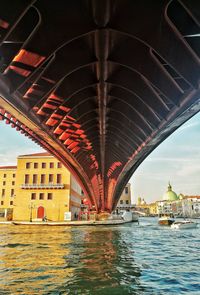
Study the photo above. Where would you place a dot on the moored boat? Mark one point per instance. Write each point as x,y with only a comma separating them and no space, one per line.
72,223
135,216
184,224
29,223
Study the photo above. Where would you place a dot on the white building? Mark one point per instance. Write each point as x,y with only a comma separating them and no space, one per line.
186,206
191,206
124,202
169,203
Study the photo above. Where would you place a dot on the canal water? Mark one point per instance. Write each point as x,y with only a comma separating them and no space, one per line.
126,259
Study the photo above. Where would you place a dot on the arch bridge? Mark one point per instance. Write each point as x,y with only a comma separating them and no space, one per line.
99,83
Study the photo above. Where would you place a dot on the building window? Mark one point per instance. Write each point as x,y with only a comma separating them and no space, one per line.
41,196
43,165
26,178
4,183
2,202
49,196
59,165
35,165
12,192
28,165
51,165
13,182
59,178
3,192
50,178
4,175
33,196
14,175
126,190
11,203
42,178
121,201
127,202
34,178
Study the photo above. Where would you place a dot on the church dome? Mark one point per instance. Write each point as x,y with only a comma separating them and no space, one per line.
170,195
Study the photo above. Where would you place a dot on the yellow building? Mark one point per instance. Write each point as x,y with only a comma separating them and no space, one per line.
76,195
39,187
152,207
147,209
139,201
7,191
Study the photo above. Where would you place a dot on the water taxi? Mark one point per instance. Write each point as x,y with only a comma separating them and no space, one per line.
166,219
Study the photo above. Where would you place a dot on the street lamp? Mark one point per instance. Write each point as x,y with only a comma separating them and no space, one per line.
31,207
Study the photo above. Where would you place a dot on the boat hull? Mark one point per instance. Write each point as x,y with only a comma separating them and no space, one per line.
166,222
184,225
29,223
72,223
135,217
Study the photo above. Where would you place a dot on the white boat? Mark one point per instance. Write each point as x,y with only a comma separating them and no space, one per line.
129,216
184,224
135,216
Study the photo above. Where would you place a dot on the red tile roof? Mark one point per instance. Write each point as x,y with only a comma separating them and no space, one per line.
192,197
8,167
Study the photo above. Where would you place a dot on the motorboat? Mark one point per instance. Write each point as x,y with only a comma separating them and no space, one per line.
184,224
128,216
166,219
135,216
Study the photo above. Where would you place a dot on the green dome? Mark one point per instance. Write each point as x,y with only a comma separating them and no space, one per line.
170,195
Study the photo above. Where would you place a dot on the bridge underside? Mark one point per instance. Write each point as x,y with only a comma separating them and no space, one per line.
99,84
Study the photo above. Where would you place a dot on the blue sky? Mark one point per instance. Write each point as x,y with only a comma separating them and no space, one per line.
13,144
176,160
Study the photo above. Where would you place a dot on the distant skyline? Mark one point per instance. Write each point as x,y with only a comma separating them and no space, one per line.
177,160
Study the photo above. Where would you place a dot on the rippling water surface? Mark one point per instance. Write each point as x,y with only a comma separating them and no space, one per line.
127,259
